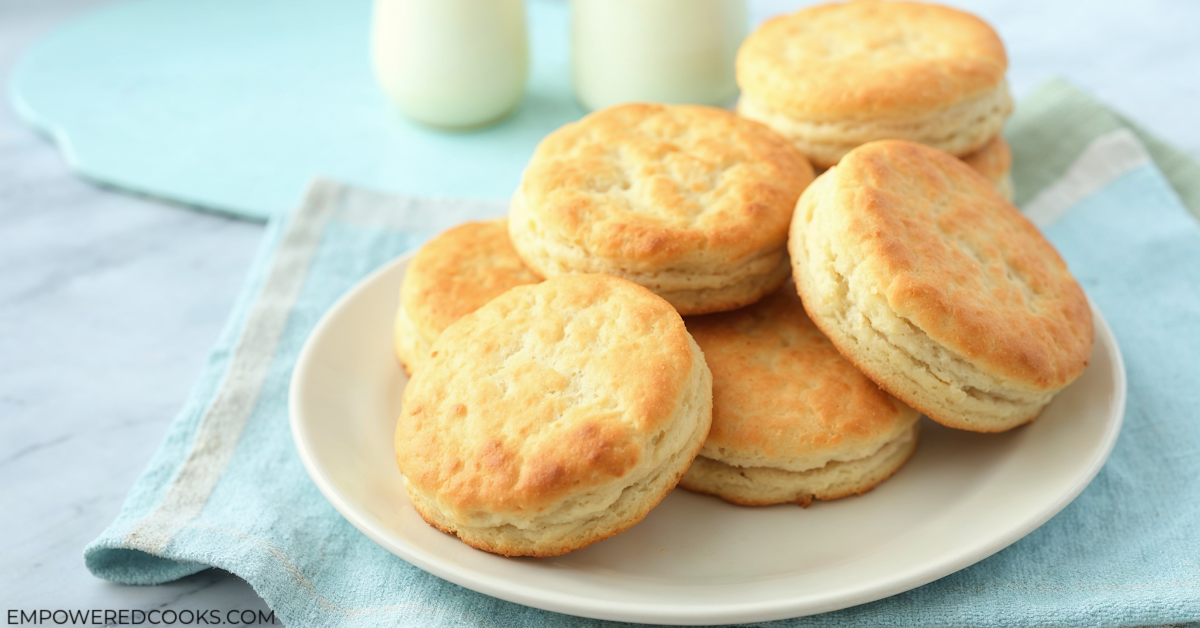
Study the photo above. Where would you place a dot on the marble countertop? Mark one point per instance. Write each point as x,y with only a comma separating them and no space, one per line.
109,303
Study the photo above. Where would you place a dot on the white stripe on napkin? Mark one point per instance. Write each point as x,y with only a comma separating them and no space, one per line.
1103,161
404,213
222,424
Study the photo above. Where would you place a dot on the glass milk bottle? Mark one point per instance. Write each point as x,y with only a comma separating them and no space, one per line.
451,63
673,51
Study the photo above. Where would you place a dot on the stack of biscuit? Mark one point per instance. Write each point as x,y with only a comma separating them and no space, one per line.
836,76
675,300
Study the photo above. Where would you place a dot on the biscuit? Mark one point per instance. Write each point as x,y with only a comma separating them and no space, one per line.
450,277
792,419
834,76
691,202
994,162
555,416
938,288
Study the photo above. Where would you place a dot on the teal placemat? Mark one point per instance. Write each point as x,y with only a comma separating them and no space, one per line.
236,105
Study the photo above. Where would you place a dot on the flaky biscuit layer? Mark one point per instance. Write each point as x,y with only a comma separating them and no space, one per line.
937,288
692,202
835,76
783,397
765,486
960,129
690,291
870,60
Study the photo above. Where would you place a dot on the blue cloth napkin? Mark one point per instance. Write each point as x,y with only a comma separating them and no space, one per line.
227,488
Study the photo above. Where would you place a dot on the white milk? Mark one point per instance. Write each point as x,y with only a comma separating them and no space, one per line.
673,51
451,63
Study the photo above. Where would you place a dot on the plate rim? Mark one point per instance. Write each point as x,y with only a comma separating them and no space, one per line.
664,613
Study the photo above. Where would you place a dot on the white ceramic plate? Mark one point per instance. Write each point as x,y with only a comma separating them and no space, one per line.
696,559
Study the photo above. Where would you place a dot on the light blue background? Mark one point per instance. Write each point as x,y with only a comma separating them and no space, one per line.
234,105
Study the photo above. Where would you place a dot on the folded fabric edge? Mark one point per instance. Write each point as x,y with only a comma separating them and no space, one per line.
117,555
129,566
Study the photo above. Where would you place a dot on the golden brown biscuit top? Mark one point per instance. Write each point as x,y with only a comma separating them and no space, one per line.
782,392
960,263
460,270
992,161
657,184
548,390
870,59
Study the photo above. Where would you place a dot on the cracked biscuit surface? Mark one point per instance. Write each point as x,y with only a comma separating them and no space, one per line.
937,288
792,419
555,416
691,202
835,76
451,276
